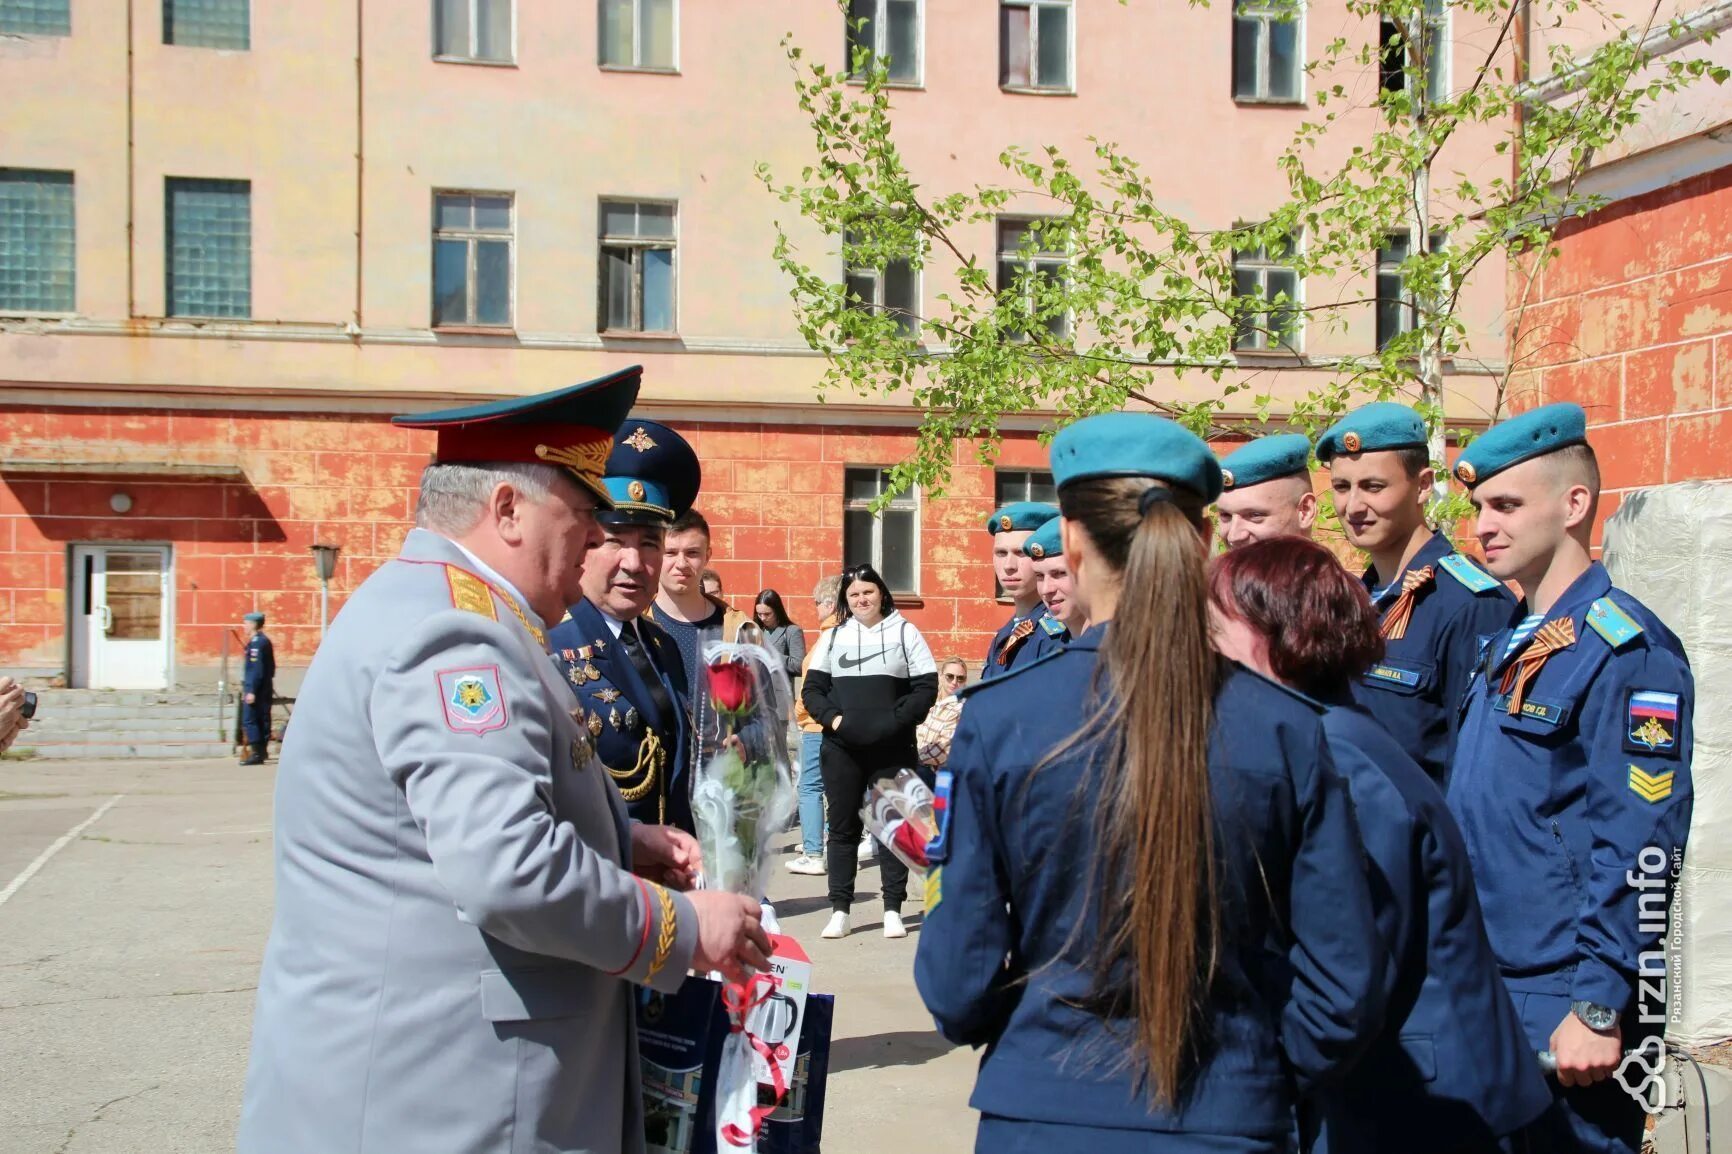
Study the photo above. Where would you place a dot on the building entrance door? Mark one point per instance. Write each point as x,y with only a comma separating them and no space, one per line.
120,624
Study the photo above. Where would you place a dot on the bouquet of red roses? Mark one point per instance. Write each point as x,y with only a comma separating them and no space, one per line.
743,792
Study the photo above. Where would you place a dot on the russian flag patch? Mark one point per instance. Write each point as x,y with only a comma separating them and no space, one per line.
1652,722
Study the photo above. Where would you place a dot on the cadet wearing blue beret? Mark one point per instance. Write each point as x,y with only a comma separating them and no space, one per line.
1266,491
1572,774
1030,931
1021,639
1052,579
1436,605
627,673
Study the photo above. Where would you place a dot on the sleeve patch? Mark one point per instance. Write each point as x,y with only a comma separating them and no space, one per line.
934,887
1651,723
1469,574
1652,788
1612,623
1053,626
938,849
471,699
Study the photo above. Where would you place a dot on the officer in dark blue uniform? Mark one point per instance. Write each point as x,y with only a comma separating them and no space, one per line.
258,685
1052,580
1019,640
626,672
1266,491
1062,834
1572,777
1437,605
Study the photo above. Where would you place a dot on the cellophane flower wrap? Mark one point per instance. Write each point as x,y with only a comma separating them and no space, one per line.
742,796
900,813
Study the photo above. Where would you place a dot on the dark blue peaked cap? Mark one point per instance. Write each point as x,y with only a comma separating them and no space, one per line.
1533,434
653,475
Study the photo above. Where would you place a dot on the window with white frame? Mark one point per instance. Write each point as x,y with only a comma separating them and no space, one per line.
639,34
35,17
1265,276
472,239
1398,57
887,540
1023,485
1033,260
37,250
1035,42
1268,51
637,266
210,247
887,31
890,286
207,24
473,30
1397,310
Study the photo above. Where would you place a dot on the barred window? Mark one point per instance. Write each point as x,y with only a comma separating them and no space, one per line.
207,23
36,17
37,265
472,241
210,243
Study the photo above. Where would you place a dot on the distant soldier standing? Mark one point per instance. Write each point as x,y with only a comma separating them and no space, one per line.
258,678
1022,639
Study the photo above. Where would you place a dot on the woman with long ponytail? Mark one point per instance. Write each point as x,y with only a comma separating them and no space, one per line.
1148,900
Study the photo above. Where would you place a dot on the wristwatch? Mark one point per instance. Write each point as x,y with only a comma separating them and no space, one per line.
1598,1018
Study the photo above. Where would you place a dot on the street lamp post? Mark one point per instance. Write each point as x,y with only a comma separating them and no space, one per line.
325,561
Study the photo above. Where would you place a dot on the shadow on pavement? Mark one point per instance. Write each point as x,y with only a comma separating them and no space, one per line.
896,1048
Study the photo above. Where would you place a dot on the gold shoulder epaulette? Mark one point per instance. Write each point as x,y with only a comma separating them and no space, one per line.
470,593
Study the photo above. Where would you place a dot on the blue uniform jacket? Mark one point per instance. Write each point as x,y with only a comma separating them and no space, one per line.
258,677
1415,689
1452,1068
1048,635
622,716
1298,991
1559,802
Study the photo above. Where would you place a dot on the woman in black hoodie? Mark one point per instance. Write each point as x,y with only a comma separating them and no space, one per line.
871,681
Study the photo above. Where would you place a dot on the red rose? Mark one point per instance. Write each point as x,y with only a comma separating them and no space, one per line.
730,686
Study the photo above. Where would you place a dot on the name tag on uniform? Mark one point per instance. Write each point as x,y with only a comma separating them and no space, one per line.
1544,711
1393,676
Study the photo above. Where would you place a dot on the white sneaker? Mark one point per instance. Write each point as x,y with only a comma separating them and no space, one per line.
768,920
837,926
807,864
868,850
893,927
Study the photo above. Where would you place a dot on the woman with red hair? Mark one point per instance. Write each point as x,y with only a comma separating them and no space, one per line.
1452,1070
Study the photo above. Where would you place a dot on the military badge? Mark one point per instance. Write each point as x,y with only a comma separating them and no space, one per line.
1350,442
1035,553
600,645
471,699
613,717
590,671
1466,473
594,724
631,717
1227,478
1651,723
1004,523
636,490
580,752
577,675
640,440
607,696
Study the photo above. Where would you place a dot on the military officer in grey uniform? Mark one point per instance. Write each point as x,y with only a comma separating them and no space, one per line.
462,905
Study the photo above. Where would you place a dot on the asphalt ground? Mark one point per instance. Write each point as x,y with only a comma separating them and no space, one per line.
129,959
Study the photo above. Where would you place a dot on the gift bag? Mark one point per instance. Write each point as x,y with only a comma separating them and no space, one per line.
901,813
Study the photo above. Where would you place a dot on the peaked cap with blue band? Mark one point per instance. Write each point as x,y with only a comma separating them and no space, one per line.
1532,434
1044,542
1379,427
1020,516
1266,459
571,427
653,475
1135,445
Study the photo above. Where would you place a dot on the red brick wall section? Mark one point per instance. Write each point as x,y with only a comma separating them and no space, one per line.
1633,320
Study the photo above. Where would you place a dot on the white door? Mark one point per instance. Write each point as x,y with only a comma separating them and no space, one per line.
120,600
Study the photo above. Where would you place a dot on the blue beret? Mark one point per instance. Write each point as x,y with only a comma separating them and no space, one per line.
1533,434
1266,459
1135,445
1376,428
1044,542
652,475
253,618
1019,516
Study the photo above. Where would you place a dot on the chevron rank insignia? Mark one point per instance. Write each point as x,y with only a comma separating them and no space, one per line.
1651,787
1616,626
1651,722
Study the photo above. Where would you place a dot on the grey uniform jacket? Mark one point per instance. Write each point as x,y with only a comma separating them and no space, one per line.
456,931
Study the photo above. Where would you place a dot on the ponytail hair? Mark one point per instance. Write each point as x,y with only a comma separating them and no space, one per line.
1155,876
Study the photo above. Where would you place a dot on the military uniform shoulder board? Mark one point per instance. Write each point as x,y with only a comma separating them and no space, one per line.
1469,574
470,593
1612,623
1053,626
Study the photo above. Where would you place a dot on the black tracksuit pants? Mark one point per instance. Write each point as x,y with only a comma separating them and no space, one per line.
847,772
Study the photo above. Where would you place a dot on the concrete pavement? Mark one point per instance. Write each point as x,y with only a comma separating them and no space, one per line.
129,957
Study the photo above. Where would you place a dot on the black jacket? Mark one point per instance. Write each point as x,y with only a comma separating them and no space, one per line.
880,679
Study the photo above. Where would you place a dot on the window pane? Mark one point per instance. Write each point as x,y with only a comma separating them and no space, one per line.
1284,62
616,288
1008,270
494,35
863,287
616,32
857,537
1013,47
1012,235
656,221
450,282
862,32
37,252
900,295
1436,64
493,213
209,248
492,282
658,290
206,23
1391,57
618,218
1246,34
1283,321
451,28
132,587
861,484
1396,247
1389,308
36,17
903,41
658,34
1041,488
1054,65
452,211
897,540
1248,284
